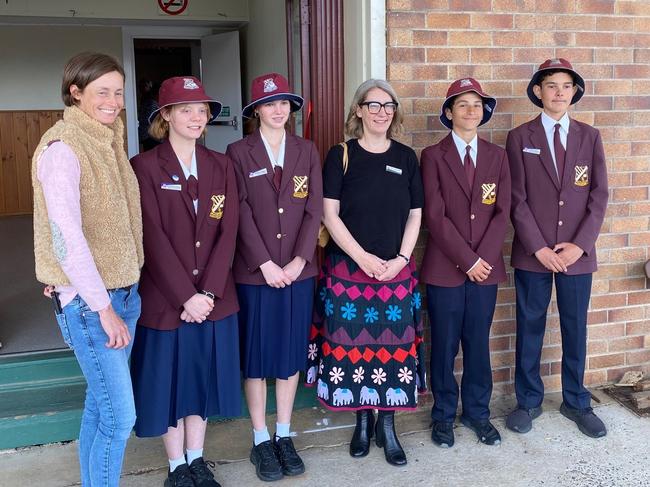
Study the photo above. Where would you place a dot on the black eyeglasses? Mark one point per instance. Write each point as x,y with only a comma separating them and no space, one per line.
374,107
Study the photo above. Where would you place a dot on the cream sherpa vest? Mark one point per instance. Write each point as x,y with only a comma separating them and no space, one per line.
110,202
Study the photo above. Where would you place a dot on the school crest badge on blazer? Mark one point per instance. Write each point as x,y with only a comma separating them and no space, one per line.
581,176
216,211
300,186
489,191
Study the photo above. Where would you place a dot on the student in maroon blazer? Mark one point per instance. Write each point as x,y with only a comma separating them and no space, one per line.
467,199
185,359
559,197
281,204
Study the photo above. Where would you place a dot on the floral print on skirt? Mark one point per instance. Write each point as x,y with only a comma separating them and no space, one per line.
366,338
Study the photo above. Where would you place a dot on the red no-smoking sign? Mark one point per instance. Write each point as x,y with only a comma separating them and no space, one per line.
173,7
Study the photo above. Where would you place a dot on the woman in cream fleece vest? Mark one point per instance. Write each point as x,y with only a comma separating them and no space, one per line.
88,247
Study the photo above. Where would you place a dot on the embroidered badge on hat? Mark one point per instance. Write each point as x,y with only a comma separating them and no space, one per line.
269,85
581,176
464,83
489,193
216,211
555,62
189,84
300,187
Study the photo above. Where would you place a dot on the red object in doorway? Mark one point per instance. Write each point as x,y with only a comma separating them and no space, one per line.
173,7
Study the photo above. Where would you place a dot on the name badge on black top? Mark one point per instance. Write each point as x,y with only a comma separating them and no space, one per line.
394,170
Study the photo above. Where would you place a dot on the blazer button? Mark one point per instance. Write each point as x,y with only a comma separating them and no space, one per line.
280,210
279,236
197,244
195,272
472,216
559,223
561,203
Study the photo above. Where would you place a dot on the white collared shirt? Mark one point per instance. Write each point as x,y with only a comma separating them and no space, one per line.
461,146
192,171
549,129
280,159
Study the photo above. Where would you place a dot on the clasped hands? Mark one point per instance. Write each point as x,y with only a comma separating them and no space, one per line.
380,269
560,257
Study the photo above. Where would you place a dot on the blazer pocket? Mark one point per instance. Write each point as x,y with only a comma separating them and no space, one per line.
217,206
300,189
581,176
489,192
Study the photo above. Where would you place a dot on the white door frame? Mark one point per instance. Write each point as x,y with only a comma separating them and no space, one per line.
128,59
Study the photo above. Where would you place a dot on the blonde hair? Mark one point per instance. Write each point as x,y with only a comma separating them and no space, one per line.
354,124
159,127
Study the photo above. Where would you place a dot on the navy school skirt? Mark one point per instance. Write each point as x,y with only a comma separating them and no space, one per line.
274,328
192,370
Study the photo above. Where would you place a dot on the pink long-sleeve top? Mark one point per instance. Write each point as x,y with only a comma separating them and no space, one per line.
59,172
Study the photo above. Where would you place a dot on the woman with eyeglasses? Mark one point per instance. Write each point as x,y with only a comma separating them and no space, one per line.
363,347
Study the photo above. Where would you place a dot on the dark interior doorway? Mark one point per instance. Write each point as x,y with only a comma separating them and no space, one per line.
155,61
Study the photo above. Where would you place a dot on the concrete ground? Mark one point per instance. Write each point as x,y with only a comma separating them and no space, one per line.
553,454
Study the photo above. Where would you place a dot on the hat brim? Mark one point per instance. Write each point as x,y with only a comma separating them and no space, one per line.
579,82
215,108
295,100
489,105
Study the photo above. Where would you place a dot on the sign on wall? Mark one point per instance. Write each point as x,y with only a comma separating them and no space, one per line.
172,7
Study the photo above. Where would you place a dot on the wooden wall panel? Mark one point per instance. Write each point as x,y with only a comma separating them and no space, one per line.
20,133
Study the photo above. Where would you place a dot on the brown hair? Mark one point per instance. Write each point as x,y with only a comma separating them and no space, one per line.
354,125
83,69
550,72
159,127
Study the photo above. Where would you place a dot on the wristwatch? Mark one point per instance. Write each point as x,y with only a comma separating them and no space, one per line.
208,294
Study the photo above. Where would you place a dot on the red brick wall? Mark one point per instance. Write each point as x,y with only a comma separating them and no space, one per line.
500,42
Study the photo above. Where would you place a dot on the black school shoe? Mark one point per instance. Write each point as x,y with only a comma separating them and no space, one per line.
289,459
442,434
266,463
180,477
201,474
485,431
587,421
521,419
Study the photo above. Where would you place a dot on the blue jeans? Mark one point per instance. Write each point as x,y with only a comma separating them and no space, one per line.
109,410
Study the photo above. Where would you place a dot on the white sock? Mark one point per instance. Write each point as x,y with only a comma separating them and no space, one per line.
177,462
283,430
192,455
261,436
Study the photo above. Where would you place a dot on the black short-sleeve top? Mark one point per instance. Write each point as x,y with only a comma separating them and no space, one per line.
376,194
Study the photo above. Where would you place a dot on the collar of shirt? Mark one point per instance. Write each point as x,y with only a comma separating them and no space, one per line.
461,147
280,160
192,171
549,129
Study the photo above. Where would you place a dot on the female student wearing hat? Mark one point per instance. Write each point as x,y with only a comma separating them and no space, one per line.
559,198
467,200
185,361
364,345
280,194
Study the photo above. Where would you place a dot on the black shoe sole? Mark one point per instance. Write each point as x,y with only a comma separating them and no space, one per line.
267,478
468,423
293,472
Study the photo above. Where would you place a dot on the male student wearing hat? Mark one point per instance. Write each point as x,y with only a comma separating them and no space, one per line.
467,199
559,197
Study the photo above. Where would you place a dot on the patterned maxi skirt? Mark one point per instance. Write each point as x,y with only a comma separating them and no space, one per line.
366,338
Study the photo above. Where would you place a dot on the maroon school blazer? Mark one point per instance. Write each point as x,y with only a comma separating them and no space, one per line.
186,252
464,225
546,211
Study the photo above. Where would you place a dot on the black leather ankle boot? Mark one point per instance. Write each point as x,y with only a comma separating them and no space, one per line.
360,444
387,438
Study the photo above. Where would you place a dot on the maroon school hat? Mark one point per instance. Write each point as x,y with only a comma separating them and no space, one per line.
465,85
558,64
184,89
271,87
